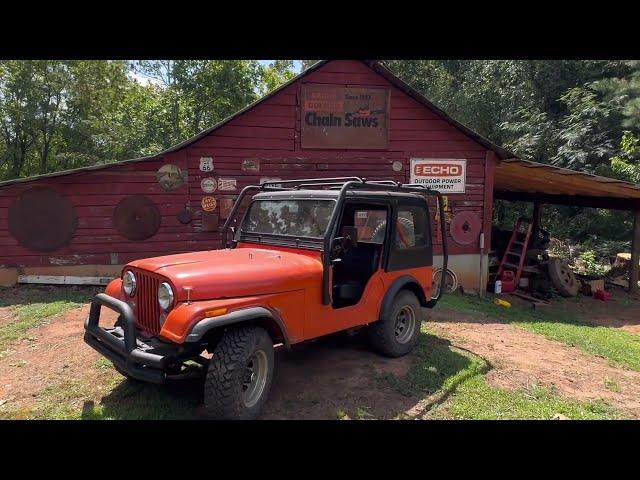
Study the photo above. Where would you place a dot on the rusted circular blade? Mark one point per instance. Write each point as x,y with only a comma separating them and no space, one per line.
43,220
136,217
465,228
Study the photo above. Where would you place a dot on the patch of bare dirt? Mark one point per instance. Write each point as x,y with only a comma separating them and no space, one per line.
314,381
53,353
521,359
332,374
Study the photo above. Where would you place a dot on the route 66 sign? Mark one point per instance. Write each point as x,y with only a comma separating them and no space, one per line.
206,164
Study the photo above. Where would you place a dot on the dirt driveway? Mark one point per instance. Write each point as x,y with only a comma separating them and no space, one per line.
330,378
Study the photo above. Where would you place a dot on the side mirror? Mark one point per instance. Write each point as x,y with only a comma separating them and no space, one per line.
350,235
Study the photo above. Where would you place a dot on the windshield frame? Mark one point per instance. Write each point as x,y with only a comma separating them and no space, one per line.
281,239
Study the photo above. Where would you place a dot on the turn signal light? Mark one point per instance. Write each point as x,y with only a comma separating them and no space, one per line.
215,313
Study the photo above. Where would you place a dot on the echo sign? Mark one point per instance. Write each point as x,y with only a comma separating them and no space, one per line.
446,176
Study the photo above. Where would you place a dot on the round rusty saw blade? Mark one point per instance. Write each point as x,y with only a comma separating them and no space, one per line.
465,227
43,220
136,217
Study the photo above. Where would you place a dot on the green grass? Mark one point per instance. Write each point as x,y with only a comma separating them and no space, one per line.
620,347
32,305
475,399
114,398
453,384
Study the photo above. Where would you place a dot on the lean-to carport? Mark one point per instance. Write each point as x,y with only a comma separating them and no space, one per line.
523,180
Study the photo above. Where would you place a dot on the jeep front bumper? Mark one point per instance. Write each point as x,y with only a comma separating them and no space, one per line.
145,359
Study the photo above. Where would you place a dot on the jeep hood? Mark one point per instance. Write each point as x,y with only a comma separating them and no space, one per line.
235,272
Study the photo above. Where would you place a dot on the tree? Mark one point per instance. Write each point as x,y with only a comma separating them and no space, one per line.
277,73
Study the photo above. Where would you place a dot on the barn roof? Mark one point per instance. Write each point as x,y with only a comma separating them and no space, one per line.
375,65
514,178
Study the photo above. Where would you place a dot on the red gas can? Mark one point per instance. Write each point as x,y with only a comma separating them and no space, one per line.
508,281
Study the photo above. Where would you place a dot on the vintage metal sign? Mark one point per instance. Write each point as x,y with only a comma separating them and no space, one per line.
227,184
251,165
206,164
208,184
208,204
226,204
338,117
170,177
446,176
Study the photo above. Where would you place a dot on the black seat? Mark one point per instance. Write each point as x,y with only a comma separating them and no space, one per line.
353,273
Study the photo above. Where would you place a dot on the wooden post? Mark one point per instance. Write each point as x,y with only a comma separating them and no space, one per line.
537,217
635,253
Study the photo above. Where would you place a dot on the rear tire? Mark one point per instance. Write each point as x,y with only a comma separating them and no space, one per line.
239,375
398,331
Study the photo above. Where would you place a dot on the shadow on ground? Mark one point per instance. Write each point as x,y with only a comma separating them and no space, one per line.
330,378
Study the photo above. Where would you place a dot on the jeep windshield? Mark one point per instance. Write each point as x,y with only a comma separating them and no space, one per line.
289,218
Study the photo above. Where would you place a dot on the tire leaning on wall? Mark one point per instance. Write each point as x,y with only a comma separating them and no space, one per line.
563,278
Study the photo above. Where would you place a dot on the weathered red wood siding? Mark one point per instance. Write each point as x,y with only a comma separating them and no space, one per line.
269,133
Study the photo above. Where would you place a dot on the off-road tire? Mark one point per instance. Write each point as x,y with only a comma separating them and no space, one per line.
223,388
563,278
383,335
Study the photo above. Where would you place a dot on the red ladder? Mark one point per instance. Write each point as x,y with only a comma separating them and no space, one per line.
516,249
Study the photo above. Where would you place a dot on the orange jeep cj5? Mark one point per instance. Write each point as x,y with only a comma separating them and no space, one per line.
310,258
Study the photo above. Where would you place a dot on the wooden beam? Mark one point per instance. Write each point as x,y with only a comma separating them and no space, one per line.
635,254
612,203
537,217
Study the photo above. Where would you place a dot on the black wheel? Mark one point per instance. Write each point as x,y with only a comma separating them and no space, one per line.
239,374
398,331
563,278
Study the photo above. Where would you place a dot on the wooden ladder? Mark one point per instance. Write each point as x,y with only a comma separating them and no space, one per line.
516,253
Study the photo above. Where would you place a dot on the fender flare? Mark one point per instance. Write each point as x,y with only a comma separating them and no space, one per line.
404,282
237,316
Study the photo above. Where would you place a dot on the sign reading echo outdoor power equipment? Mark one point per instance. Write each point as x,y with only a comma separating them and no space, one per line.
336,117
446,176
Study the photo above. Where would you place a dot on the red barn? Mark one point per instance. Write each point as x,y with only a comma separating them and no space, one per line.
338,118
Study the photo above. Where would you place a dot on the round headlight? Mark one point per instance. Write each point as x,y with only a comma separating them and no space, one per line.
129,283
165,296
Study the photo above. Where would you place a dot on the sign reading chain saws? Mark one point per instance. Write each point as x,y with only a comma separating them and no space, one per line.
336,117
446,176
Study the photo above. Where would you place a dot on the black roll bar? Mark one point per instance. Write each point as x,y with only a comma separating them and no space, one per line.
346,184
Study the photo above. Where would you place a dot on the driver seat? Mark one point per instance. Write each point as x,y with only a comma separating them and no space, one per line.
355,270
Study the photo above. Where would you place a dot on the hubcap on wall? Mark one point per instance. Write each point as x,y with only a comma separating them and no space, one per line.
405,324
255,378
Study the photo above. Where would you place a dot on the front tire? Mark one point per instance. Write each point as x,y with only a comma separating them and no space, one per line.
398,331
239,375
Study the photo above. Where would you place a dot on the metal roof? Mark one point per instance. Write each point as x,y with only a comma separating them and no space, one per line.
516,176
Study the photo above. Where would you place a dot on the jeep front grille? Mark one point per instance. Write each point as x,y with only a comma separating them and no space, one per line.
147,309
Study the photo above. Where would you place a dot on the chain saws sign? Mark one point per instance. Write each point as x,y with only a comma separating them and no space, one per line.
446,176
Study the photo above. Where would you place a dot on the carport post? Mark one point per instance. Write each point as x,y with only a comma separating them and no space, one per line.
635,253
537,218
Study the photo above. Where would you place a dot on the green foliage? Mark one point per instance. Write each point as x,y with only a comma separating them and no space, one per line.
57,115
